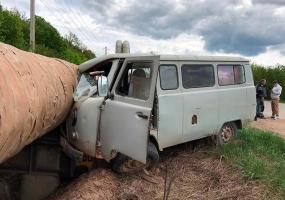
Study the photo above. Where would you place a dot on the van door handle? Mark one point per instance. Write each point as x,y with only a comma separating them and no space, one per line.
141,115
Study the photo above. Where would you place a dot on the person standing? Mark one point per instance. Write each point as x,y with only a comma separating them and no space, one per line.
260,95
275,97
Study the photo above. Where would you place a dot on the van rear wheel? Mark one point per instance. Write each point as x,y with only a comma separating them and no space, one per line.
227,132
124,164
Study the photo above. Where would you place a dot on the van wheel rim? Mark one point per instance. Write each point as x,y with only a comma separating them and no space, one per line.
132,166
227,133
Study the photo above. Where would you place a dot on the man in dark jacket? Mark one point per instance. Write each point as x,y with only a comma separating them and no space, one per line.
260,95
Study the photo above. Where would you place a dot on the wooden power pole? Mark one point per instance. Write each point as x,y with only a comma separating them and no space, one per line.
32,25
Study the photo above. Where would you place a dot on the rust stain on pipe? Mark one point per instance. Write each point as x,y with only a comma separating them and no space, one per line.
35,97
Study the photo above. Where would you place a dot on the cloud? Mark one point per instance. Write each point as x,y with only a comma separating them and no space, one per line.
276,2
232,27
247,32
226,26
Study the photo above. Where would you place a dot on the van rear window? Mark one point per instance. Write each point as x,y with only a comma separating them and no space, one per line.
196,76
231,74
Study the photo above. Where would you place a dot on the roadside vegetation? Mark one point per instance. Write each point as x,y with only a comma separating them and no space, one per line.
14,30
260,156
270,74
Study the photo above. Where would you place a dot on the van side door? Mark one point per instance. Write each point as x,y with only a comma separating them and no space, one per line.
200,100
170,105
125,116
233,92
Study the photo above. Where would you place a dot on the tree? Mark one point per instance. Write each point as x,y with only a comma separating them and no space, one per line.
74,40
14,30
48,36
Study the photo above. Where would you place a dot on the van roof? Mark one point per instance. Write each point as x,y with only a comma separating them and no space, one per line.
90,63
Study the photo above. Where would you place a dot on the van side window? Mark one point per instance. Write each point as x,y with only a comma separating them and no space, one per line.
196,75
135,81
168,77
231,74
239,74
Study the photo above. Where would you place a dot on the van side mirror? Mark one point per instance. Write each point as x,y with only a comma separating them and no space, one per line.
102,86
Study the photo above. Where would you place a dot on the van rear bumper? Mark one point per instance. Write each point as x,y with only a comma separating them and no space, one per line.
70,151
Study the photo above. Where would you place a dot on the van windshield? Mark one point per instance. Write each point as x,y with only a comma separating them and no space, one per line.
86,87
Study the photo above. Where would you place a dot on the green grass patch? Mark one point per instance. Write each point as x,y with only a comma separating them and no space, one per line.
260,155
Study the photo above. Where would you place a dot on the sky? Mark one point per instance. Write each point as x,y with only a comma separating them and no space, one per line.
250,28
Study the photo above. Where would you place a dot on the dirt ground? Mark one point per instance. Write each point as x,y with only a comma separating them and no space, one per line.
183,173
277,126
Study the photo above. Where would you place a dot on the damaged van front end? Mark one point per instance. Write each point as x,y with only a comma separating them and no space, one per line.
80,136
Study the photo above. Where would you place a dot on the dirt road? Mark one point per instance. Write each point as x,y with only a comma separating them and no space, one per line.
277,126
267,110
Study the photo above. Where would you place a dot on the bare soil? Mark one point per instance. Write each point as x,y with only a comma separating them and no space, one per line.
268,124
276,126
183,173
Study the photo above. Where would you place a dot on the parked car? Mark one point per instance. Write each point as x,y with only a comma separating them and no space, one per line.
129,107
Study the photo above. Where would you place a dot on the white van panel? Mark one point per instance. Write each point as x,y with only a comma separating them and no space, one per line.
87,125
202,103
170,119
232,103
251,104
237,102
122,130
250,94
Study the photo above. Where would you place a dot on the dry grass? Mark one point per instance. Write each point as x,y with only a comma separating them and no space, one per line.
181,174
190,176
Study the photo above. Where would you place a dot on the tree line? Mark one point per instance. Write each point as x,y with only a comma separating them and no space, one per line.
270,74
14,30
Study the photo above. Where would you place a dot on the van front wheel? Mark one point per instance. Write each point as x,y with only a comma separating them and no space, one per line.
124,164
227,132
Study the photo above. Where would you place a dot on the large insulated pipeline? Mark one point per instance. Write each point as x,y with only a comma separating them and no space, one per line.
35,97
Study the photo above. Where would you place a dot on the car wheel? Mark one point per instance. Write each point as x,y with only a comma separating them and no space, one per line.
227,132
124,164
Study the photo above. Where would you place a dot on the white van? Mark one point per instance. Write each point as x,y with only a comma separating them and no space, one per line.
128,107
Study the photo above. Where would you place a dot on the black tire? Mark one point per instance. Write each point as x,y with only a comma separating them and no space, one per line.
124,164
152,156
227,132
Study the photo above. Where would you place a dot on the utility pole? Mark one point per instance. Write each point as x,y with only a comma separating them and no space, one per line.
106,50
32,25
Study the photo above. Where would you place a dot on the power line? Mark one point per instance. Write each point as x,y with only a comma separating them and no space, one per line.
82,21
55,15
60,19
74,19
81,35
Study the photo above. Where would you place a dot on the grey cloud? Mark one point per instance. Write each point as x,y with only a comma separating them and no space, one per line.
248,33
274,2
223,26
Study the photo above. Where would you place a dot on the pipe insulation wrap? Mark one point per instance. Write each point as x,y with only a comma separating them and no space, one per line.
35,97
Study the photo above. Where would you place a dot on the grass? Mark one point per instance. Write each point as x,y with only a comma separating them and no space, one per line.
260,155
